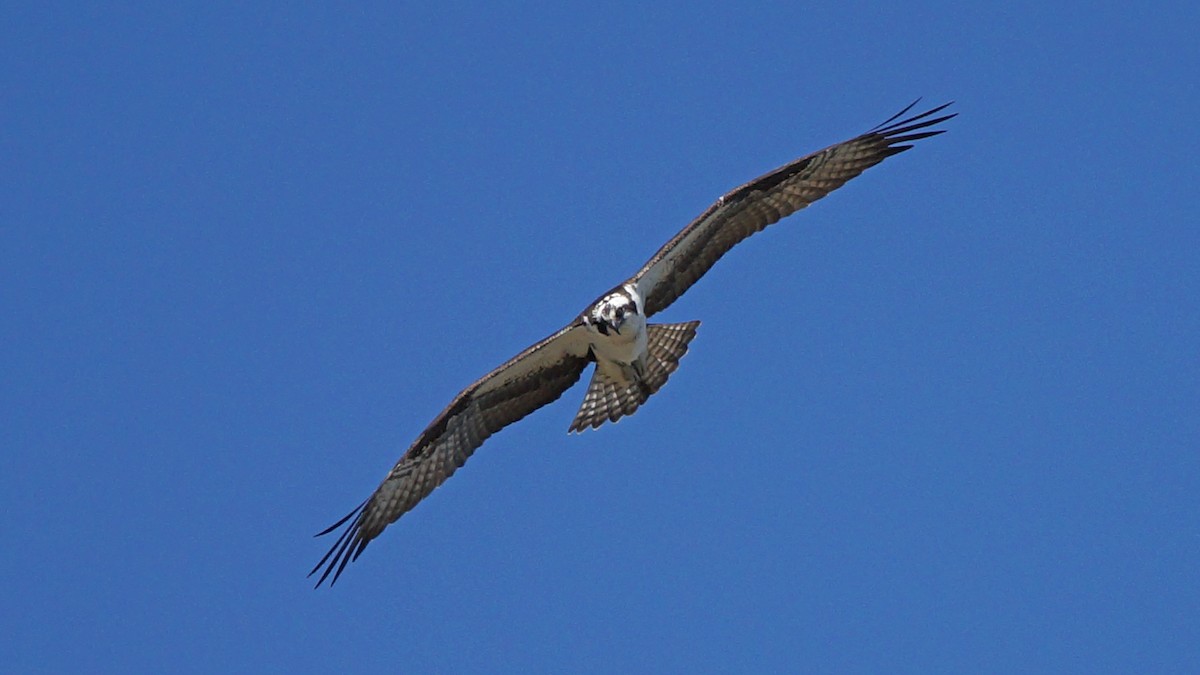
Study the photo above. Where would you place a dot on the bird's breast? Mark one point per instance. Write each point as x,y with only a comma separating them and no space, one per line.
624,347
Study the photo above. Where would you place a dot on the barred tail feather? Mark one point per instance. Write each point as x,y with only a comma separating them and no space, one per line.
608,399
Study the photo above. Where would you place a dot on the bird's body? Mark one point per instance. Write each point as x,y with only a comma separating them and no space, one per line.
616,326
633,357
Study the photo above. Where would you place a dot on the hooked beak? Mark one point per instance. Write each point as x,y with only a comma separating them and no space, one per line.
617,323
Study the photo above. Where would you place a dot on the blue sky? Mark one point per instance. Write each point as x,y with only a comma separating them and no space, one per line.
944,420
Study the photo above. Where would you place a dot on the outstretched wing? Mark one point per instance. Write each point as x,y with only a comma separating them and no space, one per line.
525,383
767,199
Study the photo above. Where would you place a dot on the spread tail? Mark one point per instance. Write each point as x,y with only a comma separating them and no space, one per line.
609,399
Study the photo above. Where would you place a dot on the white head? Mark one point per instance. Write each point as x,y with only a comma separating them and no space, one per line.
612,312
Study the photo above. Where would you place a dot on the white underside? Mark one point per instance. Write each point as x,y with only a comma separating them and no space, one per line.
616,352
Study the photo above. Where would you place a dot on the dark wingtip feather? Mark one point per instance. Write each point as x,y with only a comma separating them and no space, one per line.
915,137
339,523
891,126
341,552
895,135
893,117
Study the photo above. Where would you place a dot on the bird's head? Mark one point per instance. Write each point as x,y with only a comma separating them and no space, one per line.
612,312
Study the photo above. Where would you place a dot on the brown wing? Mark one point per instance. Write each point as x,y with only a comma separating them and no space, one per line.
767,199
525,383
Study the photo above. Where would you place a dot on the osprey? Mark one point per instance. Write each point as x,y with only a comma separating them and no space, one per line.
633,357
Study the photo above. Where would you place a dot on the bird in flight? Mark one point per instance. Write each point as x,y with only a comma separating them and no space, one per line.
633,357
